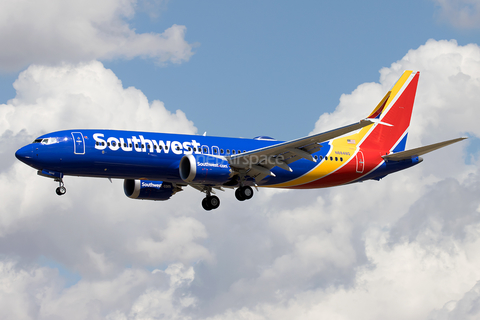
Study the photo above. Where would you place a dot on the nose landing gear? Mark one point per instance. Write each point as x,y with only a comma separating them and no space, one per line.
61,190
57,177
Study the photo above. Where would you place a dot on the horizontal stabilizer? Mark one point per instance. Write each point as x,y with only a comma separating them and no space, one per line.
409,154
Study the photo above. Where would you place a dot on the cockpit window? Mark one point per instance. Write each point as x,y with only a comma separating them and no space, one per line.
46,140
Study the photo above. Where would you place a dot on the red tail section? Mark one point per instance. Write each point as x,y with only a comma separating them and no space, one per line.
390,133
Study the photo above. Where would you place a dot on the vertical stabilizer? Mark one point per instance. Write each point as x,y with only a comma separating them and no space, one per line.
393,113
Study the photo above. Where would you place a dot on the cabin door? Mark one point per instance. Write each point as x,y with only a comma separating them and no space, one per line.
360,162
78,143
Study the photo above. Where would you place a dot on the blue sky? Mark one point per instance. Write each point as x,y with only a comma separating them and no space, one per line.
263,66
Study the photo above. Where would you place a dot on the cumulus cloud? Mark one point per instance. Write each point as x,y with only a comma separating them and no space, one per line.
404,247
449,82
37,293
84,95
46,32
463,14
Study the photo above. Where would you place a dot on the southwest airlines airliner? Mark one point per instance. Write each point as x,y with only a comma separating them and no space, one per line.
156,166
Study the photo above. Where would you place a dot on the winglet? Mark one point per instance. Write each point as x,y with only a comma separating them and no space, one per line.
380,107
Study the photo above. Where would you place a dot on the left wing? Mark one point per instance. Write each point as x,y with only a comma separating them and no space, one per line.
258,163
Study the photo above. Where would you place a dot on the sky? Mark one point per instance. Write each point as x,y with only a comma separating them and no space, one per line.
406,247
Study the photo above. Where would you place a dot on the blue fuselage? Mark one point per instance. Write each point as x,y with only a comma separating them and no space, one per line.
139,155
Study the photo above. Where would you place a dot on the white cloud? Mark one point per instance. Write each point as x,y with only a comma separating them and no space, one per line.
46,32
36,293
463,14
84,95
446,94
375,244
404,247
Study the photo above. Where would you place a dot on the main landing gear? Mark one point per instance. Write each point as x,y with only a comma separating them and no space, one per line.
244,193
61,190
210,202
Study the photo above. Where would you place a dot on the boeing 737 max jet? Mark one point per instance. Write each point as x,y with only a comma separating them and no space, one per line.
156,166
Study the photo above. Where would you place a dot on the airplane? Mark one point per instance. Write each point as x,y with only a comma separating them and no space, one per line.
155,166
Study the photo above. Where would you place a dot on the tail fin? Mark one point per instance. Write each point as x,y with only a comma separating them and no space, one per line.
393,116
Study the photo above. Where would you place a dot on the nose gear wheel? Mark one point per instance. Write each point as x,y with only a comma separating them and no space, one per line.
61,190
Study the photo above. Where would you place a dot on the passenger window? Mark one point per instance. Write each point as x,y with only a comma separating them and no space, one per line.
238,151
228,151
336,158
316,157
221,151
341,159
321,157
331,158
233,151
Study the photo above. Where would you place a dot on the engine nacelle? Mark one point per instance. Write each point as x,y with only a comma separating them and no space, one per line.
204,169
148,190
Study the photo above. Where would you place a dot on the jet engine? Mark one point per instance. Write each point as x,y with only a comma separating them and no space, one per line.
149,190
204,169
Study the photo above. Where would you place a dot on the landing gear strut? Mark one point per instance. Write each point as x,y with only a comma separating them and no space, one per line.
210,202
244,193
61,190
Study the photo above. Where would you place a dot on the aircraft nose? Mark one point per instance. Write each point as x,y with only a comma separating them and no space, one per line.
24,154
